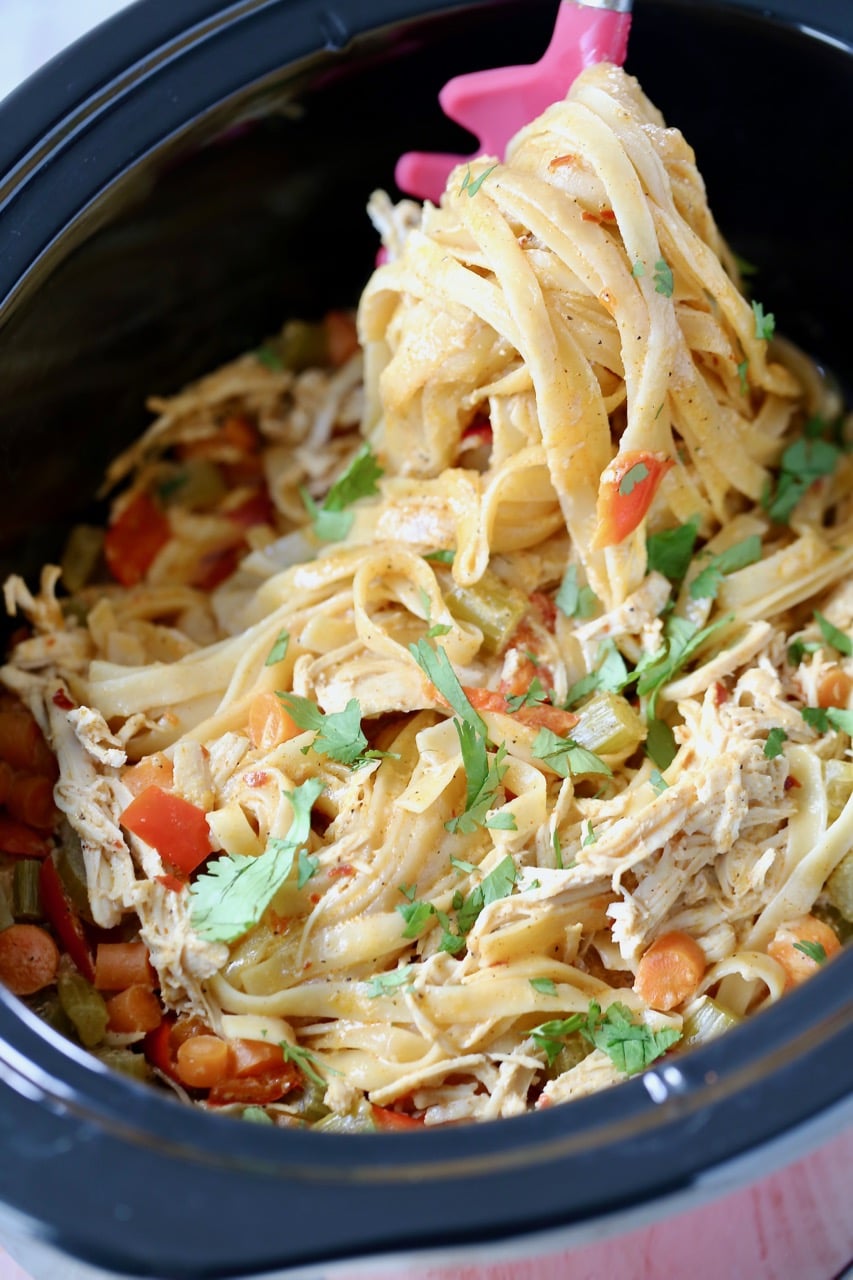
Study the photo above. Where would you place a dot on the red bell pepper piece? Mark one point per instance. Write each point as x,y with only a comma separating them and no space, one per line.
387,1119
134,538
275,1083
62,915
177,829
628,486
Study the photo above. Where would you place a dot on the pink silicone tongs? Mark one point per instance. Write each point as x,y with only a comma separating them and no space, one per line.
495,104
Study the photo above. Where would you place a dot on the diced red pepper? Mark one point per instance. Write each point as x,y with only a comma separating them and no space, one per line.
257,508
541,716
177,829
134,538
159,1049
215,566
259,1090
628,486
387,1119
62,915
255,1057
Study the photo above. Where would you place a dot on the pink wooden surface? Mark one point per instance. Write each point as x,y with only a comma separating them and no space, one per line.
794,1225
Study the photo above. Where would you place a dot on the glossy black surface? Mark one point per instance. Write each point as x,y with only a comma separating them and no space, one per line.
158,221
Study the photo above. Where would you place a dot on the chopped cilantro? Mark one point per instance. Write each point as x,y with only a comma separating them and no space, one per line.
808,459
236,889
638,270
436,666
798,649
558,851
534,696
459,864
832,635
501,822
590,837
824,718
765,325
658,781
745,267
440,557
408,891
610,675
670,551
545,986
331,521
661,746
682,639
384,983
279,650
496,885
472,187
742,371
663,278
630,1046
773,745
814,950
575,601
549,1036
305,1061
338,733
633,476
706,584
417,916
256,1115
566,756
269,356
484,773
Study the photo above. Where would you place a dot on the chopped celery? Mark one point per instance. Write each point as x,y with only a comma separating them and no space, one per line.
490,605
310,1107
71,867
26,898
256,1115
126,1061
84,1005
45,1004
608,725
359,1121
6,917
704,1020
197,484
574,1050
839,887
302,345
80,556
830,915
838,779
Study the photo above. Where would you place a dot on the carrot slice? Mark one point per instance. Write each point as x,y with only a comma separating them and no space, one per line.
29,959
133,1010
670,971
255,1057
798,965
387,1119
833,688
22,743
203,1061
134,538
151,771
275,1083
123,964
31,801
21,841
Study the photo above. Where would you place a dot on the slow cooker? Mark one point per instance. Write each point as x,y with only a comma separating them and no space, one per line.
173,187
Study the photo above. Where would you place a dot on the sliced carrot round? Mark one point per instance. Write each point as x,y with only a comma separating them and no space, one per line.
29,959
202,1061
670,971
814,935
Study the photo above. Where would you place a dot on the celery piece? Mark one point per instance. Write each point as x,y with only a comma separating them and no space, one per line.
71,867
125,1061
6,917
310,1107
838,779
84,1005
26,897
197,484
359,1121
490,605
302,345
839,887
80,556
608,724
574,1050
704,1020
45,1004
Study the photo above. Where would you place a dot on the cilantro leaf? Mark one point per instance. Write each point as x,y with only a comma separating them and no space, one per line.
440,556
307,866
545,986
742,371
658,782
765,325
682,639
590,837
473,187
798,649
279,649
339,733
331,521
707,583
549,1036
638,270
436,666
384,983
235,890
573,600
501,822
630,1046
610,675
806,460
483,775
497,884
814,950
534,696
663,278
633,476
832,635
661,746
459,864
670,551
773,745
566,756
417,916
824,718
305,1061
269,357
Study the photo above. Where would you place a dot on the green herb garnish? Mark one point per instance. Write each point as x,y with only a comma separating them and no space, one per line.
566,756
670,551
472,187
806,460
575,601
832,635
773,745
707,583
663,278
279,650
384,983
338,733
814,950
331,522
765,325
545,986
633,476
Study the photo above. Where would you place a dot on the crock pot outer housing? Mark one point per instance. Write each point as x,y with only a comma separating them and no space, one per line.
177,184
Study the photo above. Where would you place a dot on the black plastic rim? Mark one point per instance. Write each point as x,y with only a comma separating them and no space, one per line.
297,1198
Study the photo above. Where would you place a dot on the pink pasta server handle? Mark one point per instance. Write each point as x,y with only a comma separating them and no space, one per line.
495,104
